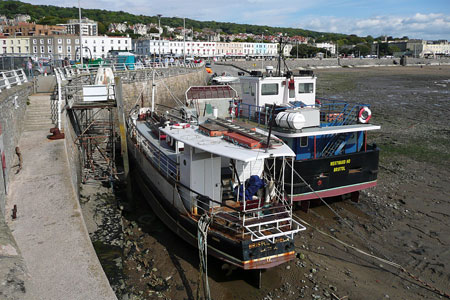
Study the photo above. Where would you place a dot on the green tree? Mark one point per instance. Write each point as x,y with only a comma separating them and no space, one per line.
392,49
102,29
361,49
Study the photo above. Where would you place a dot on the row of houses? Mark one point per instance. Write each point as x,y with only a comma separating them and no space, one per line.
419,48
62,46
101,46
149,47
88,28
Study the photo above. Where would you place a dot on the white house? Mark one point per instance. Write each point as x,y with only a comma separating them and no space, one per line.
100,46
330,47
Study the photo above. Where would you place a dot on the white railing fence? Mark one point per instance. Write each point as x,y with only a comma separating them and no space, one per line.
12,78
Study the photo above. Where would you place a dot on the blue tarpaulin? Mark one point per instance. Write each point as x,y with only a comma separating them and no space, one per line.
253,184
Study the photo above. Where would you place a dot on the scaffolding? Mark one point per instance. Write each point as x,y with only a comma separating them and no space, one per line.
96,136
94,124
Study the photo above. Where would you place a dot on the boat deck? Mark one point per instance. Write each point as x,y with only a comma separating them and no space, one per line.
146,131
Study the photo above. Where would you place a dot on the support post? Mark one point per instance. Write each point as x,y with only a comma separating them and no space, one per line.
153,90
122,131
58,79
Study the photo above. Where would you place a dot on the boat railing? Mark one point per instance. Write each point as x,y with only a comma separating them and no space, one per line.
332,112
257,220
158,158
12,78
338,112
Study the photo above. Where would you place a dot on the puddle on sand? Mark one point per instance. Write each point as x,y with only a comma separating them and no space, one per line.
110,258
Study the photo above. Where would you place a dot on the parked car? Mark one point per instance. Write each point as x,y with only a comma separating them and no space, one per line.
41,68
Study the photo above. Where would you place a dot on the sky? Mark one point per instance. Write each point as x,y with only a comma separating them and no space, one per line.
413,18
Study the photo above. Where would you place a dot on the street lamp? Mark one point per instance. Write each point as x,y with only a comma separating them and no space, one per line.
159,28
184,40
81,34
262,49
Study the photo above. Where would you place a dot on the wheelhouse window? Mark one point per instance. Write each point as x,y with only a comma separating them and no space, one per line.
303,141
304,88
292,93
269,89
246,88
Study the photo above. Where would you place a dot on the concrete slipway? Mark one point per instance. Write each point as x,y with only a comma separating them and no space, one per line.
49,229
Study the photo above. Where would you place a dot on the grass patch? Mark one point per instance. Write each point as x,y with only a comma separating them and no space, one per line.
431,151
335,83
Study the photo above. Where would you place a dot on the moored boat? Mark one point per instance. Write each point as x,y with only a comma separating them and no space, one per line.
329,137
191,169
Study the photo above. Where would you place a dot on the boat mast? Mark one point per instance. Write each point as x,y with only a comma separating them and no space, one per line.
281,57
153,90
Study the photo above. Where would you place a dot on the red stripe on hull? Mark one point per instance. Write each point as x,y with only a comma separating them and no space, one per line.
335,192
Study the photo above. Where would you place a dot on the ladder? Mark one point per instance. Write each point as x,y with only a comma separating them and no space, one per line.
262,138
335,145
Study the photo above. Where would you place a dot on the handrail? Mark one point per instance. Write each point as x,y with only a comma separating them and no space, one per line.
12,78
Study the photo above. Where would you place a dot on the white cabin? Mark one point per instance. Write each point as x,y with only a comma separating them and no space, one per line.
261,90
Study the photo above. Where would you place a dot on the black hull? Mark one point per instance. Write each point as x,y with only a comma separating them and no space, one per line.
334,176
244,254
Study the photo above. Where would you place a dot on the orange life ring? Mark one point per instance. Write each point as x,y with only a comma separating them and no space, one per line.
364,115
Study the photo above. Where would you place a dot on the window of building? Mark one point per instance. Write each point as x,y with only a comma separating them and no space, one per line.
34,49
95,49
269,89
49,49
304,88
41,41
103,49
68,41
77,41
59,41
42,49
12,49
69,49
60,49
34,42
49,41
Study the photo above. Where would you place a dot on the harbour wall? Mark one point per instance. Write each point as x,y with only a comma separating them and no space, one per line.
72,151
13,271
332,63
166,91
13,105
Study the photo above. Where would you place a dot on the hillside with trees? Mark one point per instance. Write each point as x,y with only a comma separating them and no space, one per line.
51,15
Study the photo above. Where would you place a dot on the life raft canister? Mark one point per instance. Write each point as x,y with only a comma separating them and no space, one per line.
364,115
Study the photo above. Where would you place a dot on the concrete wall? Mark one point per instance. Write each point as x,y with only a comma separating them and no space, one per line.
73,152
13,104
332,62
175,85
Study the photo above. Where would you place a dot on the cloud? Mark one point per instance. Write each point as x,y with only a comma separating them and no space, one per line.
423,26
313,15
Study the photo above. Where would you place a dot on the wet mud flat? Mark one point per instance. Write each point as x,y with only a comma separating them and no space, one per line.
405,219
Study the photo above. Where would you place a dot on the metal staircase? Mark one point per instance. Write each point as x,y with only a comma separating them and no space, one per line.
336,144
